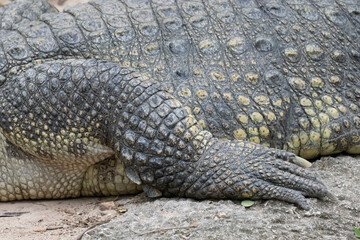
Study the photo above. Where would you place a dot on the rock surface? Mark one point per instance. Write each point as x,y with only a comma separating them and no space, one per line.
189,219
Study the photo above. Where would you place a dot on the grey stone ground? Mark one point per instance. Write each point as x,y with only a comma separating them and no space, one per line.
188,219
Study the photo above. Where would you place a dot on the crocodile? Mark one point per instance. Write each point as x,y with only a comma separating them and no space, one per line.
221,99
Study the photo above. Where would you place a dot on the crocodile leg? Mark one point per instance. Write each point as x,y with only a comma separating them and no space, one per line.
74,113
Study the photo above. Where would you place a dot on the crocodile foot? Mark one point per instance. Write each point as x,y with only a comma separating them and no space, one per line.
241,170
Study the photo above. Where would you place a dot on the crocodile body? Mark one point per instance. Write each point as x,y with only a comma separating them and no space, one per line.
177,95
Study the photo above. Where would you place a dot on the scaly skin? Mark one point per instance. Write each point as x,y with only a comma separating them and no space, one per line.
282,74
70,114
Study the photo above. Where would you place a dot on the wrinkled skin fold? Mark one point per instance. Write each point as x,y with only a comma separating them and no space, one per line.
182,98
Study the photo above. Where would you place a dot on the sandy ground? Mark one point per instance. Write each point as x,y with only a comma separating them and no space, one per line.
56,219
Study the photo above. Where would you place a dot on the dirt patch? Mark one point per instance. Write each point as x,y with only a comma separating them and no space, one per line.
57,219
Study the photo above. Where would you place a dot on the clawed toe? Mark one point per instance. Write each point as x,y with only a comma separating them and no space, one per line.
302,162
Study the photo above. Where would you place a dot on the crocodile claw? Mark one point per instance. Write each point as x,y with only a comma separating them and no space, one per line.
302,162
